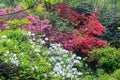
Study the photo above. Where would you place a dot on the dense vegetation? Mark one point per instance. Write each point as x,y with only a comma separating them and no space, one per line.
59,40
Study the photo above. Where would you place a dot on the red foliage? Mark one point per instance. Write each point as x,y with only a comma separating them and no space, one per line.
66,40
78,41
83,38
87,43
93,26
65,11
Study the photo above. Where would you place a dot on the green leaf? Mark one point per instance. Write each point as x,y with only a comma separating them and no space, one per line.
118,28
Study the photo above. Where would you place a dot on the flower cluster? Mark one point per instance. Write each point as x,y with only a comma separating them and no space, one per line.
3,11
36,25
83,37
63,62
2,22
66,40
93,26
87,43
88,40
65,11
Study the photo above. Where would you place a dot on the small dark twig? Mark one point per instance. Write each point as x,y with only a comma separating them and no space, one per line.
15,12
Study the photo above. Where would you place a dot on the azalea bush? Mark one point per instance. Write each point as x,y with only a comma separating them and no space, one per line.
36,25
86,28
109,17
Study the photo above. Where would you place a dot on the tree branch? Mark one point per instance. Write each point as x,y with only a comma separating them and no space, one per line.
15,12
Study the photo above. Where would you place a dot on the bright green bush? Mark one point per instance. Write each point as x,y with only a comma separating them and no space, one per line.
18,54
113,76
116,74
106,77
109,58
14,24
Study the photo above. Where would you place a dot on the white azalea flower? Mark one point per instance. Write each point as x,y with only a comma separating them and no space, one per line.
4,36
8,40
46,39
37,50
79,73
76,61
43,42
29,33
14,60
32,34
79,58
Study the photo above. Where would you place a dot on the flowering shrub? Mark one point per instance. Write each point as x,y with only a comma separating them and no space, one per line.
78,41
36,25
66,40
84,36
3,11
87,43
93,26
65,11
63,62
2,21
81,38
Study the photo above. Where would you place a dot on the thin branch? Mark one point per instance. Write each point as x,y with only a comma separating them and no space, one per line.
15,12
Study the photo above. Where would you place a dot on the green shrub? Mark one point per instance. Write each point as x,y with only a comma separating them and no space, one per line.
109,58
14,24
73,3
112,29
116,74
106,77
60,24
19,57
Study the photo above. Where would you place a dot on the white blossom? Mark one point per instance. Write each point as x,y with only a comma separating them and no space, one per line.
37,50
76,61
63,61
79,58
46,39
79,73
14,60
43,42
4,36
29,33
32,34
8,40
